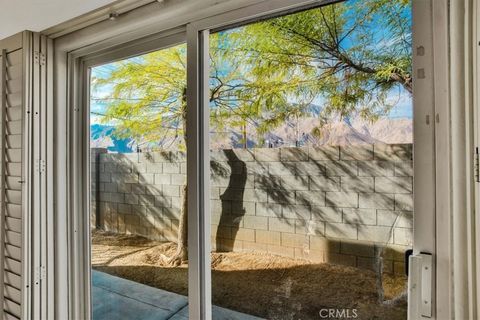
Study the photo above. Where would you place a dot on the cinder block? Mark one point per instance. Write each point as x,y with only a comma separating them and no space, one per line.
110,167
105,177
268,209
341,168
131,198
124,187
324,183
340,230
404,169
109,187
359,216
295,182
294,154
139,167
255,195
230,221
243,234
281,225
179,179
312,168
393,184
268,182
376,168
171,167
342,199
283,197
155,190
117,197
146,199
162,201
324,153
324,245
125,177
329,214
310,227
403,236
153,167
254,247
138,188
124,208
375,234
171,191
257,223
295,240
267,237
257,168
357,184
376,200
280,250
401,219
310,198
144,157
296,212
356,152
393,152
267,154
146,178
404,202
162,178
282,168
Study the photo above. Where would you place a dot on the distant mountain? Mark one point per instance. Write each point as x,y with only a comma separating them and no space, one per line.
101,136
339,132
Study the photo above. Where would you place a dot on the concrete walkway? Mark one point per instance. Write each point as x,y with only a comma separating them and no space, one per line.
115,298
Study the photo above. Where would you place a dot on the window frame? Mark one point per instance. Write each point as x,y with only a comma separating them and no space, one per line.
75,53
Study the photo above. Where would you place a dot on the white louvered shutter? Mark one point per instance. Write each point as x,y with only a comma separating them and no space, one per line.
22,96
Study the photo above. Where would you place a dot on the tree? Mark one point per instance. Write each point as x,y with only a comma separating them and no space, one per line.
350,55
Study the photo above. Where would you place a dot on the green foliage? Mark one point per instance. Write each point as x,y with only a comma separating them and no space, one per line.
350,55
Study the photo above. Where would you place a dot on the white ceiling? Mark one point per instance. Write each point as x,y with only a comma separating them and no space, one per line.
37,15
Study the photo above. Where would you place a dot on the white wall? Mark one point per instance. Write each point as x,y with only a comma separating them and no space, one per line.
37,15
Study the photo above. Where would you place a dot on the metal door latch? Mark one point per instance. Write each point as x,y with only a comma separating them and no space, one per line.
420,286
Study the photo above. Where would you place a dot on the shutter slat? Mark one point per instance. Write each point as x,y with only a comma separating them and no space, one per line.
13,280
13,238
13,224
14,196
13,266
14,127
13,252
13,183
13,294
15,58
14,155
14,114
14,100
14,169
14,72
12,307
14,210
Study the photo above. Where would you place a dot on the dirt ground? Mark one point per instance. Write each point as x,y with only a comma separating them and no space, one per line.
264,285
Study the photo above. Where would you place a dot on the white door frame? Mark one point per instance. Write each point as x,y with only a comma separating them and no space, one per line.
96,42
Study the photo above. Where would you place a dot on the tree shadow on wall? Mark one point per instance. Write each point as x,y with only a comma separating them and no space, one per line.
232,212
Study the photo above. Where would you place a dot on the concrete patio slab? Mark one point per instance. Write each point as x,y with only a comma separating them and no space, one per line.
114,298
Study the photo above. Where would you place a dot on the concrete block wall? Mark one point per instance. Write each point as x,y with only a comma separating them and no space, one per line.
327,204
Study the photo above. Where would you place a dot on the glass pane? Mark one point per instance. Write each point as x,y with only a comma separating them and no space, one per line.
138,171
311,163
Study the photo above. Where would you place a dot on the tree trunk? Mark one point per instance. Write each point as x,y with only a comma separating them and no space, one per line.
181,254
